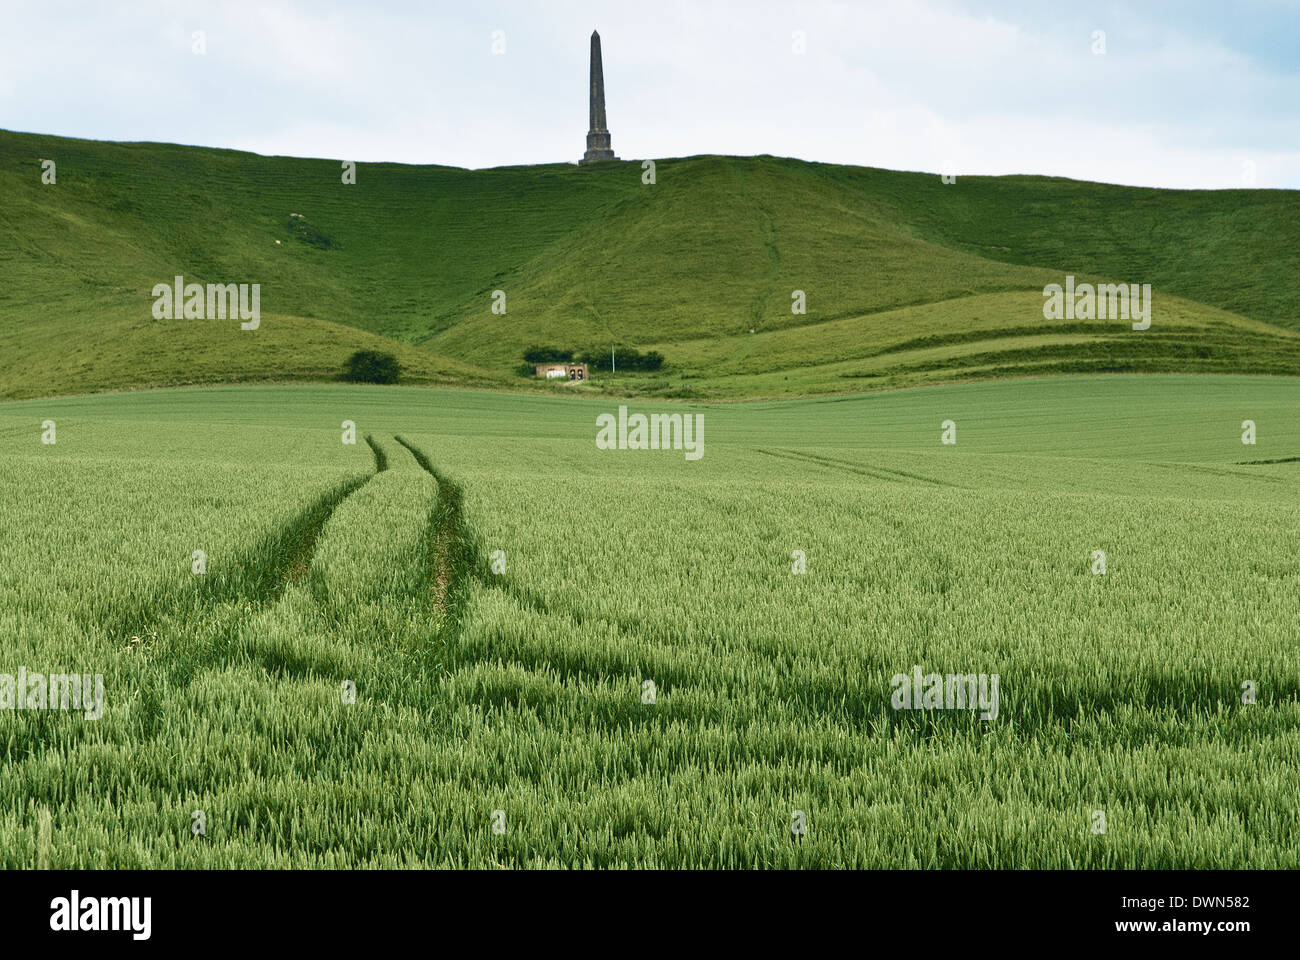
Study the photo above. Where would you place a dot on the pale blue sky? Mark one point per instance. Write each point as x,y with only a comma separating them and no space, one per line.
1187,94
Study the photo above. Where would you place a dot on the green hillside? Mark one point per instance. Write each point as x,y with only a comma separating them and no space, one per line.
907,280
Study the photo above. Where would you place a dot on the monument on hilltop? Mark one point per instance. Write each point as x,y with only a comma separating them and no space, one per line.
598,147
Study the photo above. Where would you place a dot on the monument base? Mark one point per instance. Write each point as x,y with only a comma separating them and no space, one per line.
596,156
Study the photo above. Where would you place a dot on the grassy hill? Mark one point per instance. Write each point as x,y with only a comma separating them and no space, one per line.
907,280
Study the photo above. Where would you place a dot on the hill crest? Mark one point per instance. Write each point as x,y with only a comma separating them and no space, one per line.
904,279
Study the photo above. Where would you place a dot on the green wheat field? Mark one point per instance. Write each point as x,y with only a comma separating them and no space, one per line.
498,591
434,624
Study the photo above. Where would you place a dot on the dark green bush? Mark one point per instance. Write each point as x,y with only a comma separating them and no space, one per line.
370,366
547,355
625,358
308,233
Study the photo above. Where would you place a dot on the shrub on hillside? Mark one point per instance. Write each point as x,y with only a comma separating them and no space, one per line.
625,359
547,355
298,226
370,366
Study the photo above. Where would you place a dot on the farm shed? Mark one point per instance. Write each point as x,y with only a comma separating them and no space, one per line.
572,371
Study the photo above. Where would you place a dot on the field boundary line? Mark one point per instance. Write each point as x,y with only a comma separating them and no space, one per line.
877,472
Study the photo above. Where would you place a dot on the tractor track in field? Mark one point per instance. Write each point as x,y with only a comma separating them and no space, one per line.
1258,463
227,603
847,466
451,551
223,603
1225,471
256,581
270,567
456,562
381,458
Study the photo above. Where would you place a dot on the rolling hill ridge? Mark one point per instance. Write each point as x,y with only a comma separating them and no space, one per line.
906,280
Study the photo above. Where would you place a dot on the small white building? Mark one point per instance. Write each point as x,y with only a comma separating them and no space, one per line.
554,371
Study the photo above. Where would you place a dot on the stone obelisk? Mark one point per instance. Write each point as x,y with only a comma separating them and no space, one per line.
598,136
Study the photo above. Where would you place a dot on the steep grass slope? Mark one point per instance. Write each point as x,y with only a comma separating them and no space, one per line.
906,279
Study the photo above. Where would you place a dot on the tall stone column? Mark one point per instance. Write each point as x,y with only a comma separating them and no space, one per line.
598,146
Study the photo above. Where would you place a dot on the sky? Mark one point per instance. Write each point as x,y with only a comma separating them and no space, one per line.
1186,94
